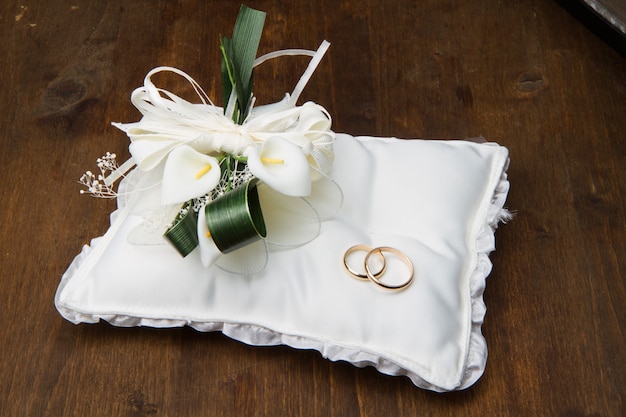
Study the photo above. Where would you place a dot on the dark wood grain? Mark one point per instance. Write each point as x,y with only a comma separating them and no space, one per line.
526,74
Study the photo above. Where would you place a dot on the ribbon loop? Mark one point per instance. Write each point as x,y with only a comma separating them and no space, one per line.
169,121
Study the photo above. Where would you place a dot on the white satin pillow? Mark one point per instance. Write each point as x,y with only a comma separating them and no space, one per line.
438,201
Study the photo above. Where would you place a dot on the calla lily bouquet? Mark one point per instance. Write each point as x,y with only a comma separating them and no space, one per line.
210,161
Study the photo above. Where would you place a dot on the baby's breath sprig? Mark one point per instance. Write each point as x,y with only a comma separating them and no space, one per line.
96,185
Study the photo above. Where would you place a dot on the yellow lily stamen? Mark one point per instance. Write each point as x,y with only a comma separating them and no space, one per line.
272,161
203,171
208,234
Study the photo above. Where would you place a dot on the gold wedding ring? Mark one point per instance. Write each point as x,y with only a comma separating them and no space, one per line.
374,278
356,274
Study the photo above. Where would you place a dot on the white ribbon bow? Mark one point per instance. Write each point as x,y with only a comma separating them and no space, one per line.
282,141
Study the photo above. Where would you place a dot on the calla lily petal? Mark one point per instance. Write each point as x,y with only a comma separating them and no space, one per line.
281,165
209,253
188,174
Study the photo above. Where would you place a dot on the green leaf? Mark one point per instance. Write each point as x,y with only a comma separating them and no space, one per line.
235,219
228,80
238,55
183,234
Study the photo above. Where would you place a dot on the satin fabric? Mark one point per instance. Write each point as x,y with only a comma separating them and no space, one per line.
437,201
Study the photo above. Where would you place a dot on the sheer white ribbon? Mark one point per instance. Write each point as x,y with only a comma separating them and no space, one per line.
170,121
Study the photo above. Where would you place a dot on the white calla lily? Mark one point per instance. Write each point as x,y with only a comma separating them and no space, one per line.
209,252
188,174
281,165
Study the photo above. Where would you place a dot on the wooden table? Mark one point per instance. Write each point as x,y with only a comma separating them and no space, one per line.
526,74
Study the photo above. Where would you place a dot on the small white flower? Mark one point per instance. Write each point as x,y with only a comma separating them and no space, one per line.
188,174
281,165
